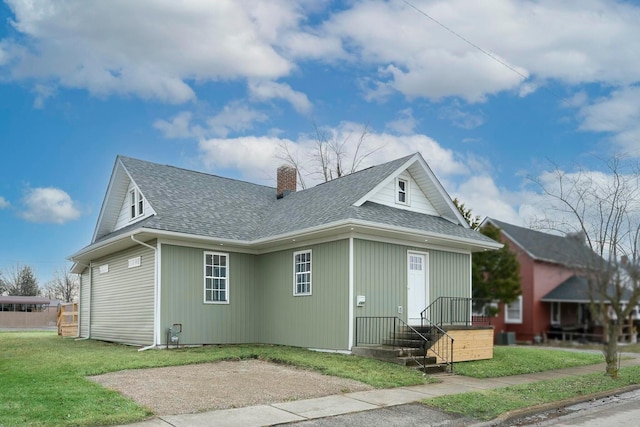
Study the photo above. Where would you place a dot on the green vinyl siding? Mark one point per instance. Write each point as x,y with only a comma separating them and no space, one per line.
122,299
319,320
380,275
182,293
449,274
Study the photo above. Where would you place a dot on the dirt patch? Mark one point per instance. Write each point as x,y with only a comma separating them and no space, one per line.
222,385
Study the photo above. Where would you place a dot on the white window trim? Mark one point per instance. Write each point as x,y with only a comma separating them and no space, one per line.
295,288
406,191
137,204
559,321
204,283
507,319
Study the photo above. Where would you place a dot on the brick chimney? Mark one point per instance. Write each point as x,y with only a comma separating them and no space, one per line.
287,178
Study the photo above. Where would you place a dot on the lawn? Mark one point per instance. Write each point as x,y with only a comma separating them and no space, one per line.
514,360
43,375
488,404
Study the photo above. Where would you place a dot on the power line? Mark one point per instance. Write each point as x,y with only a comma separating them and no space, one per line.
485,52
469,42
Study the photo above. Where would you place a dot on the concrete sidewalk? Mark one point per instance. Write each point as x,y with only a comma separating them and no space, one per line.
300,410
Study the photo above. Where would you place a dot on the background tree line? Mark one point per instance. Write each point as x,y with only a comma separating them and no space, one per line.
20,280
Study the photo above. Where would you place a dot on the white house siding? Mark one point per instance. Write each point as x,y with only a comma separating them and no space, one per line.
418,202
85,281
122,299
124,217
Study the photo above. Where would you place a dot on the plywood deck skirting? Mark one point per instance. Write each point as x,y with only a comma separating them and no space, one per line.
469,343
68,320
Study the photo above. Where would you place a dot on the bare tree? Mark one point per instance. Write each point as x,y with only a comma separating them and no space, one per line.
20,281
63,286
604,208
333,155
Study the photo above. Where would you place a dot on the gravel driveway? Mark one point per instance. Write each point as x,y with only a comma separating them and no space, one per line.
222,385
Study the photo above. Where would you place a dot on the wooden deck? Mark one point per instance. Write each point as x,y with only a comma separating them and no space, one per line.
68,320
470,343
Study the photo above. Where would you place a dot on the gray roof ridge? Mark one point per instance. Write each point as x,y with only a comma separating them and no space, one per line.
183,169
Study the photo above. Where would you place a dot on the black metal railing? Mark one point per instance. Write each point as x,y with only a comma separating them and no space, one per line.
459,311
441,342
393,332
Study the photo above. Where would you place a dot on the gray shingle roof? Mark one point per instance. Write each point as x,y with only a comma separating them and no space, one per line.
576,289
196,203
563,250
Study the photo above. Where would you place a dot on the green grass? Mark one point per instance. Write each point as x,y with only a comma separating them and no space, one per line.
42,376
524,360
489,404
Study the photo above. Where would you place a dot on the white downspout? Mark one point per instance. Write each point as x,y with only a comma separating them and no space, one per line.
155,293
78,338
351,296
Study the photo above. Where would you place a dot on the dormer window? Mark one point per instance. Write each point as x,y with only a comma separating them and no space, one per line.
136,201
402,191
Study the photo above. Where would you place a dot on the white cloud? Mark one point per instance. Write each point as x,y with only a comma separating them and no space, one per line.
267,90
404,124
460,118
618,113
148,48
4,203
481,194
571,41
257,157
234,117
179,127
49,205
254,157
43,92
158,49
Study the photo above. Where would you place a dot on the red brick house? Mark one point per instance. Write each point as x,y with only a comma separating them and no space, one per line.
547,261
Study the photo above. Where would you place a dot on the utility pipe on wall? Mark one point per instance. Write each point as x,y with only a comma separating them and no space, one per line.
155,296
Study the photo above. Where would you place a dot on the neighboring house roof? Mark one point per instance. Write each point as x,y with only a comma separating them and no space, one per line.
185,202
576,290
568,251
23,300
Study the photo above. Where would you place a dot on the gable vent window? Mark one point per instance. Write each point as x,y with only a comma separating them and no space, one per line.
402,191
136,202
135,262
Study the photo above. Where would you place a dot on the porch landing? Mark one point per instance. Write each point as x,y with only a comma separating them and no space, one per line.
469,343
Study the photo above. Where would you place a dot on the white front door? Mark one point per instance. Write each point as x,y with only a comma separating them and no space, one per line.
417,286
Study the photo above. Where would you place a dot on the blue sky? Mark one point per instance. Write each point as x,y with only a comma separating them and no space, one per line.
489,92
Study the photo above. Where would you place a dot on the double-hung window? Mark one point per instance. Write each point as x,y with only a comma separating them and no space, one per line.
136,203
402,191
302,273
216,278
513,311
